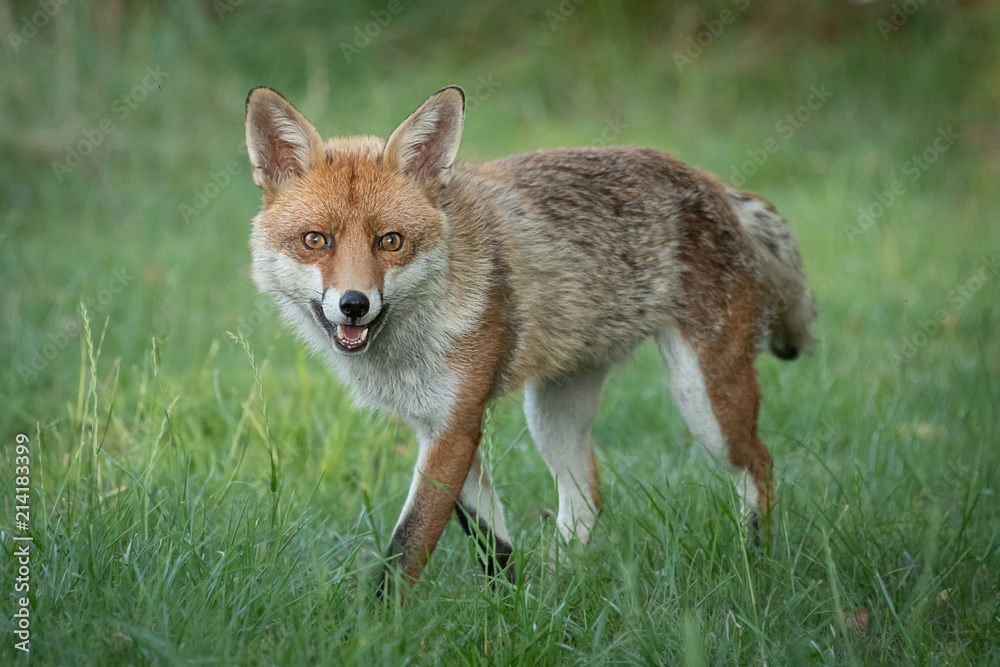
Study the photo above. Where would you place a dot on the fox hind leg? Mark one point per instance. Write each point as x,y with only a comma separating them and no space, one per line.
713,383
560,415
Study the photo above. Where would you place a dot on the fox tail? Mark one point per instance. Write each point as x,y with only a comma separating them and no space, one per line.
787,305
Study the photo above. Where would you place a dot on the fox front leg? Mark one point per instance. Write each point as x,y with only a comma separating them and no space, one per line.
443,465
447,453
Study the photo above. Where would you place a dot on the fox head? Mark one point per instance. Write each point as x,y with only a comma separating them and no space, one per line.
348,227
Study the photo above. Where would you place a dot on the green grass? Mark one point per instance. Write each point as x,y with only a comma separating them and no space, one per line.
195,503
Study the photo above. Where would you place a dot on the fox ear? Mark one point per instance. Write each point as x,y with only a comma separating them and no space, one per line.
281,142
426,143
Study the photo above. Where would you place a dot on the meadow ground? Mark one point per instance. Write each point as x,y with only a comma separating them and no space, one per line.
197,500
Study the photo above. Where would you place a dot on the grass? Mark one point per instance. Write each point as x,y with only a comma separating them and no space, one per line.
202,498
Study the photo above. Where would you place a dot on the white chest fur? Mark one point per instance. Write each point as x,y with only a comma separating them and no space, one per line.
403,377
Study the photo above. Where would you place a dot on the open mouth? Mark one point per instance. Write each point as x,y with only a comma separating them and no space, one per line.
349,337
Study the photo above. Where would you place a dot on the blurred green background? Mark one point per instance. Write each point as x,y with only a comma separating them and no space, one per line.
124,186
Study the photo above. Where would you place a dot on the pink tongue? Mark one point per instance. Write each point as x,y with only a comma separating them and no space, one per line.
352,333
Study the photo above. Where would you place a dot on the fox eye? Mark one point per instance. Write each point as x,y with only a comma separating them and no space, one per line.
392,241
315,240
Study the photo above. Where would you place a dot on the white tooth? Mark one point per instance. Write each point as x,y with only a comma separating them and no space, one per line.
340,331
364,334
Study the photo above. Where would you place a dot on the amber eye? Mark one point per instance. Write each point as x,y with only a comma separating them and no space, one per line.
314,240
392,241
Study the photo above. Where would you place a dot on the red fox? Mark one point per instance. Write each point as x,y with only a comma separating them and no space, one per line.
433,287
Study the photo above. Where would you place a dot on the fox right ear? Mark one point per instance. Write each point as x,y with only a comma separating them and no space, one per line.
281,142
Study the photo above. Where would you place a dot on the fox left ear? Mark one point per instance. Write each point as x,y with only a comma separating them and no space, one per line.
281,142
424,146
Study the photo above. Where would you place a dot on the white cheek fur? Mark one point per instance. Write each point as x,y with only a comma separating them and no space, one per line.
293,286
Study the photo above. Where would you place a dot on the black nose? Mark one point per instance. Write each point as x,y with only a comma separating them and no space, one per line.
354,304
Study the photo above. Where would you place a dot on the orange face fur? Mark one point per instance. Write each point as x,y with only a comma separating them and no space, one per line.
354,202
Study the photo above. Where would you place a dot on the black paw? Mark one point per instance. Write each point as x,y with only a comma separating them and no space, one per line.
382,587
753,529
